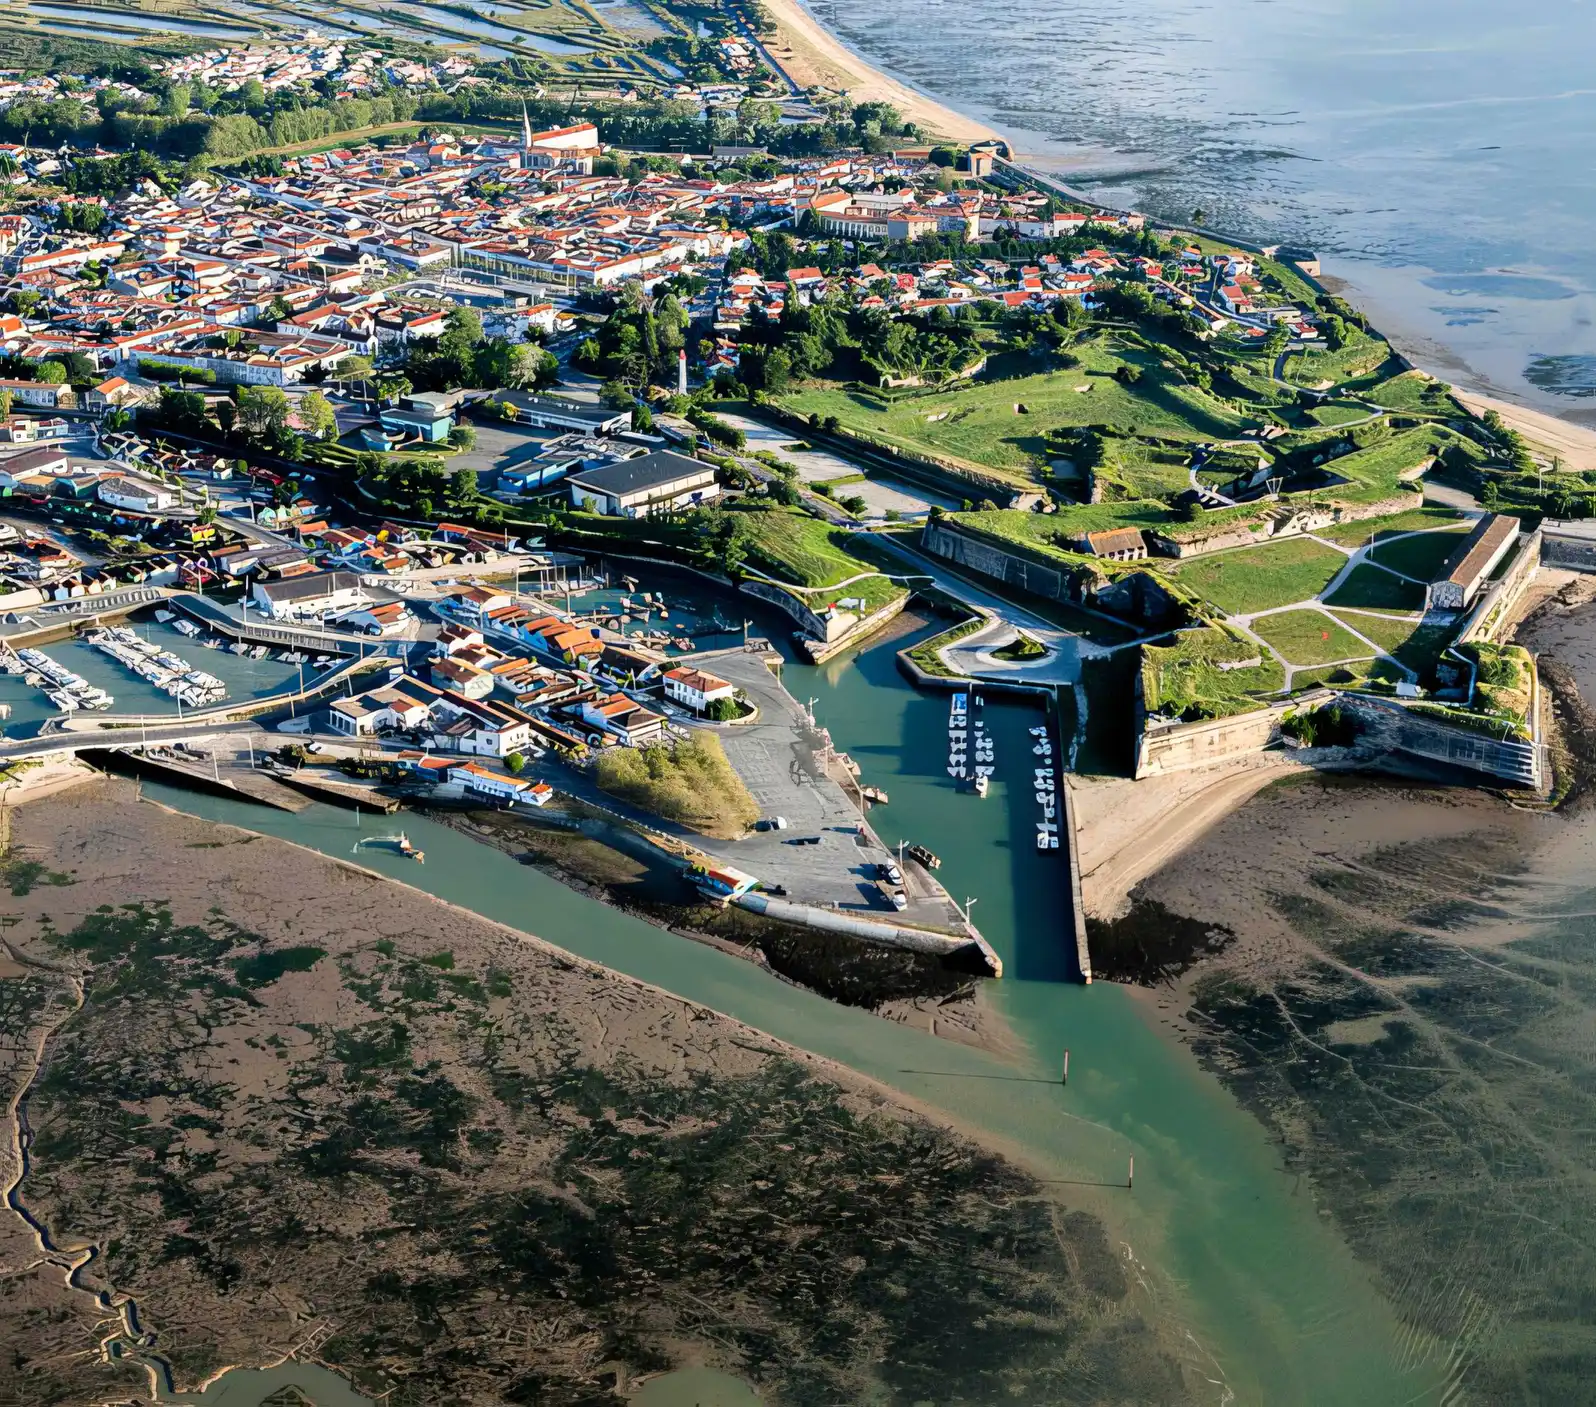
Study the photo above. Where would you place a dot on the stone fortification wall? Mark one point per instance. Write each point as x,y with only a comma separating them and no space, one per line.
1171,747
1569,553
1395,729
1011,568
1496,605
828,637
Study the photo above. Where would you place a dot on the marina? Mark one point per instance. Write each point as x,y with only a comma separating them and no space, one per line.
168,672
126,691
67,690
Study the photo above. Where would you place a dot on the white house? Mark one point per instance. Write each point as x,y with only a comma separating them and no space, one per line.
309,597
369,713
497,786
137,495
694,689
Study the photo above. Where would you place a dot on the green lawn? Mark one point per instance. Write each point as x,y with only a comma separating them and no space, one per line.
1337,414
808,552
1388,632
1359,357
1184,678
1419,557
978,424
1261,578
1410,391
1310,637
1370,588
1355,534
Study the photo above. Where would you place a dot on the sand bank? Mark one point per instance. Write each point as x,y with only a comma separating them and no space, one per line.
812,56
1573,444
352,1088
1128,830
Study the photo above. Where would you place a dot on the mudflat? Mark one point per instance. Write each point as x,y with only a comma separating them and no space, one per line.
1399,981
278,1104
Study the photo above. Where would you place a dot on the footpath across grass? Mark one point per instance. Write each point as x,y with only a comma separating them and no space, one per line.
1310,637
1262,578
1358,532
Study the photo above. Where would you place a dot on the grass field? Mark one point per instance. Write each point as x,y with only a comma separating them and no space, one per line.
1355,534
1419,557
1370,588
1310,637
1335,414
981,427
1411,391
1388,632
1261,578
1359,357
808,552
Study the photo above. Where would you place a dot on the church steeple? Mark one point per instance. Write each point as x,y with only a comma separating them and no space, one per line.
526,128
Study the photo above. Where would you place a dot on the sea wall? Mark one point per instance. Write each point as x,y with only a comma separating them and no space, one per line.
828,637
1392,728
917,940
1171,747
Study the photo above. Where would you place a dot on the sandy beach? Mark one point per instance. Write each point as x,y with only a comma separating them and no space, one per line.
811,55
1574,444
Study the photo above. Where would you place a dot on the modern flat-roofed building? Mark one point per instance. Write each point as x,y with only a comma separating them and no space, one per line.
1470,566
558,413
632,487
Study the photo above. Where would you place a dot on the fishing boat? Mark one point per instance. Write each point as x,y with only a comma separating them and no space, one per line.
921,856
400,844
874,795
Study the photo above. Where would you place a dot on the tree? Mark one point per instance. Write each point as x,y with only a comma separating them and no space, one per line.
51,374
463,437
24,301
226,416
263,412
514,764
5,405
316,416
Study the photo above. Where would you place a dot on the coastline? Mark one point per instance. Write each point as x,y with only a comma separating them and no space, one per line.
811,54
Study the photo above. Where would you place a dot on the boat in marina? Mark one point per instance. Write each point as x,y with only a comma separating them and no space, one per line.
982,785
66,690
923,857
168,672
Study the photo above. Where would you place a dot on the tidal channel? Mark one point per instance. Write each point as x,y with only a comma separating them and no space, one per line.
1237,1264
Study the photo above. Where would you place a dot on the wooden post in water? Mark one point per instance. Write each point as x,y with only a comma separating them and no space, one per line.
1130,1177
1066,1078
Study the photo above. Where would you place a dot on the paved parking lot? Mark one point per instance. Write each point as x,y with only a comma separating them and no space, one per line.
775,756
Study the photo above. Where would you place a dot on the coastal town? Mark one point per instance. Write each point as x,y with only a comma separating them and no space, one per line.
820,538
